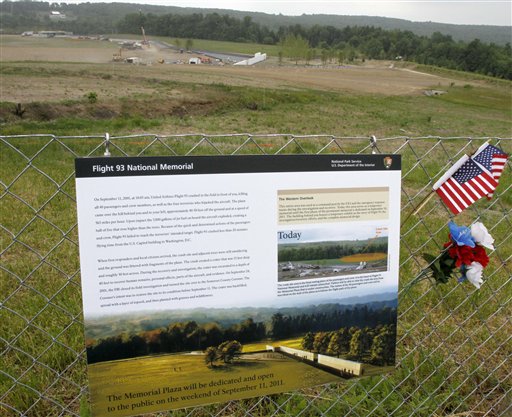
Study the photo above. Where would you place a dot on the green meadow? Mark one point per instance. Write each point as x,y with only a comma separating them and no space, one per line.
177,375
476,111
223,46
180,380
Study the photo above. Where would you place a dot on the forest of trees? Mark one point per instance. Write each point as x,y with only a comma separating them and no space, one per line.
304,252
330,43
189,336
101,18
298,42
368,344
177,337
285,326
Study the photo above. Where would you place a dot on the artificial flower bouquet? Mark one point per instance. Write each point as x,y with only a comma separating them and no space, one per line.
464,255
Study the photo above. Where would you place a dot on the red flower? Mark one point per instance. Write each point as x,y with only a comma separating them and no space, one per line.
464,255
480,256
461,254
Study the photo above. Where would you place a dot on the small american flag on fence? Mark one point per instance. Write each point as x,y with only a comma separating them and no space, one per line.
493,159
467,185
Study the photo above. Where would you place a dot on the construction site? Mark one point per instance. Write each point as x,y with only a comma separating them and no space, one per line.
144,51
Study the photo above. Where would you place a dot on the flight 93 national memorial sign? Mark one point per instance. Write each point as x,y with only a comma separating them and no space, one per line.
212,278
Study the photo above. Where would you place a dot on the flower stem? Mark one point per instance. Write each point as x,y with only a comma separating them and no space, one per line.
424,274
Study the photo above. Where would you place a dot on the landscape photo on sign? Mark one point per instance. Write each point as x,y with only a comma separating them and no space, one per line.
332,250
212,355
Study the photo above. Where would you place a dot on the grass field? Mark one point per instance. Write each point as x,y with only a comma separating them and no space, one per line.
178,372
453,349
169,380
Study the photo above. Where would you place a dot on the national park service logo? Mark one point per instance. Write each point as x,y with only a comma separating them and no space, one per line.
388,161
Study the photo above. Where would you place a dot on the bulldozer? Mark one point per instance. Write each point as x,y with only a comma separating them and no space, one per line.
118,56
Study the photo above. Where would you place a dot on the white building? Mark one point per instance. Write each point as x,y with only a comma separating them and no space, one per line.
54,15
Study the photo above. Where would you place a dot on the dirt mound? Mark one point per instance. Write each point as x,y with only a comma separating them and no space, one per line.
150,109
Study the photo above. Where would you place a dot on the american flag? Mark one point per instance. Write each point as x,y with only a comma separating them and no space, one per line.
467,185
493,159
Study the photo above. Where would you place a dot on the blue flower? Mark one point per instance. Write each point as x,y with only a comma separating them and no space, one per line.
461,235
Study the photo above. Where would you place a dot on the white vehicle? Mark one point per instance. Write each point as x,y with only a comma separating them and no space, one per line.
362,265
288,267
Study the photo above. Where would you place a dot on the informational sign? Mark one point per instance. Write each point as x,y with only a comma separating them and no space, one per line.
208,279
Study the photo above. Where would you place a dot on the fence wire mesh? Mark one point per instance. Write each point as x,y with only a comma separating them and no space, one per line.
454,342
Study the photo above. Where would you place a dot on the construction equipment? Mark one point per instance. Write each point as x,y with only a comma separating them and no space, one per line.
118,56
144,39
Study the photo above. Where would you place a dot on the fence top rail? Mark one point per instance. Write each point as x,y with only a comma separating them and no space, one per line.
254,135
50,135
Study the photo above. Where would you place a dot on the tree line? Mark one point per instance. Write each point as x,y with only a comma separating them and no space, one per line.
374,345
106,15
363,42
298,42
199,26
335,251
285,326
332,44
177,337
190,336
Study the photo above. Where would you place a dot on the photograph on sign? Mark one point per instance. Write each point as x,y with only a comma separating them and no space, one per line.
208,279
312,253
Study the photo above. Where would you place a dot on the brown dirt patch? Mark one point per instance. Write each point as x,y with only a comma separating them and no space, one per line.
53,88
94,71
364,257
146,108
362,79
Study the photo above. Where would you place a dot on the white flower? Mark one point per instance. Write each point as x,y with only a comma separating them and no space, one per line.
482,236
474,274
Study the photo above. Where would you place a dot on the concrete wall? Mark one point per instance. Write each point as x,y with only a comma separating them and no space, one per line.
350,367
296,352
259,57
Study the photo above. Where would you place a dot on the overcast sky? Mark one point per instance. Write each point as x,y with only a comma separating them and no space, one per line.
361,231
482,12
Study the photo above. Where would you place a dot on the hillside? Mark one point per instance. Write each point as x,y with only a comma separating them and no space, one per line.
103,17
106,326
52,79
495,34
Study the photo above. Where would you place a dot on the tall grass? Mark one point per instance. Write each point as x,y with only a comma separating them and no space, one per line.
452,352
215,108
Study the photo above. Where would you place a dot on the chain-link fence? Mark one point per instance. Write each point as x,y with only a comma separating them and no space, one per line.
454,341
